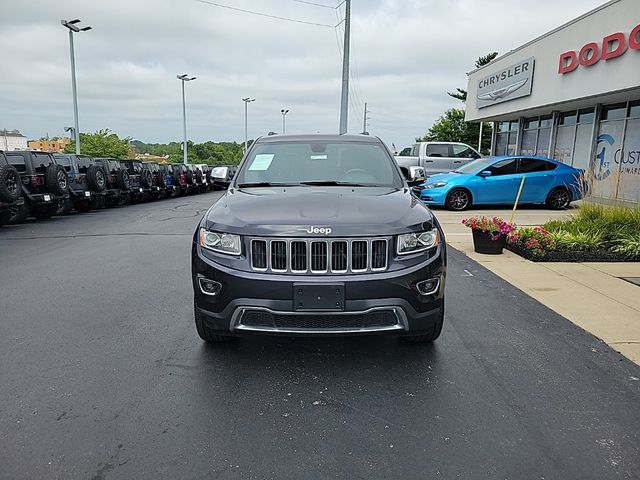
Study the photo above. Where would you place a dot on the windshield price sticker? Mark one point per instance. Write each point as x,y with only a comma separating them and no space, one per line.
262,161
318,157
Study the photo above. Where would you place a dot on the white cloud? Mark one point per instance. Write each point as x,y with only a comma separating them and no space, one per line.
406,55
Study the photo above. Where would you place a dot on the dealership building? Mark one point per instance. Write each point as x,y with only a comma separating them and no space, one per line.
572,94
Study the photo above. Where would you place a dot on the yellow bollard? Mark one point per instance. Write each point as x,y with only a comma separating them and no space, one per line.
515,205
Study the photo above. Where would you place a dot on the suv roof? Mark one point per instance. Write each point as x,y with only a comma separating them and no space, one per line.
319,138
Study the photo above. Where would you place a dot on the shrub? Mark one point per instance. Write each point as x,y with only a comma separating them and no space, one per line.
629,247
579,240
537,240
606,222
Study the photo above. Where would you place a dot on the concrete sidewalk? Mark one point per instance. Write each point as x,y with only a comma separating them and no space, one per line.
591,295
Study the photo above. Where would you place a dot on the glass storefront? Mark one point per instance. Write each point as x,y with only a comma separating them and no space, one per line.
614,169
506,138
573,127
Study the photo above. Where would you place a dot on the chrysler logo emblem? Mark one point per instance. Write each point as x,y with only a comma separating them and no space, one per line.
503,92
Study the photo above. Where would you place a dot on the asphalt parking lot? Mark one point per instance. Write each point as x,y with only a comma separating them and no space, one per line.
103,375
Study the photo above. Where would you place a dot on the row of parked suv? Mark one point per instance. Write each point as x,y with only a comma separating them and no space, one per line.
41,185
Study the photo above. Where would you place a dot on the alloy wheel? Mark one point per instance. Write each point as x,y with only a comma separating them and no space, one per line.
62,180
560,198
459,200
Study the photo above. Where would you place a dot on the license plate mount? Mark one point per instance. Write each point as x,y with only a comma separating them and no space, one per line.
313,297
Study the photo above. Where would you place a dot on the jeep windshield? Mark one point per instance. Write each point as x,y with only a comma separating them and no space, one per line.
299,163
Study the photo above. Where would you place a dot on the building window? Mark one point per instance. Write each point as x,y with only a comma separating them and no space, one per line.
568,118
586,115
615,169
503,126
546,121
614,112
506,138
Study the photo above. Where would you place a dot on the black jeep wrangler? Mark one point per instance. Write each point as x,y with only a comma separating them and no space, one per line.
158,185
168,177
180,178
192,179
319,234
44,184
87,183
10,190
117,191
140,179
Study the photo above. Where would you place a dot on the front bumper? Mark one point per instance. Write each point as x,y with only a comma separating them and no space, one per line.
433,196
382,302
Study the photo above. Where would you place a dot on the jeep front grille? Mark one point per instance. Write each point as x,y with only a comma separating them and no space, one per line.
317,256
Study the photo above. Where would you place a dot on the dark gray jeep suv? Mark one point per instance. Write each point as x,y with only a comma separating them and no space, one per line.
319,234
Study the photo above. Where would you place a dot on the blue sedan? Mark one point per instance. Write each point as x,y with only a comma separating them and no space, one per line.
495,181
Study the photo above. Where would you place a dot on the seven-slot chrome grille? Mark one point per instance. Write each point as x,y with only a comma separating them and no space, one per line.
314,255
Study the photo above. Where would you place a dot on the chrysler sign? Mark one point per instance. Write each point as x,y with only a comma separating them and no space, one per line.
512,82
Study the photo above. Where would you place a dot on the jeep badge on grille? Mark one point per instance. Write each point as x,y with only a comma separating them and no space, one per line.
323,230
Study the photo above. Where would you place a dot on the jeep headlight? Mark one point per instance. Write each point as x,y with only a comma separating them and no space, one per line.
417,242
228,243
435,185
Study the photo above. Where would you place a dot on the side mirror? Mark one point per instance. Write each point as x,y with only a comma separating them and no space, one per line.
415,175
475,156
485,173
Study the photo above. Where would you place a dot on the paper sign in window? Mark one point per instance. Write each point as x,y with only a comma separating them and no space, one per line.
261,161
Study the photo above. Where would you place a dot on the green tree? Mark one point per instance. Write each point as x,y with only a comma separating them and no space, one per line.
451,127
103,143
460,93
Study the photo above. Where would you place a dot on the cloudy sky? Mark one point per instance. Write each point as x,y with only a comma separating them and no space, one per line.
406,54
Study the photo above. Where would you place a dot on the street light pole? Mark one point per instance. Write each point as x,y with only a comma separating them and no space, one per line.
344,100
246,101
73,28
184,78
284,114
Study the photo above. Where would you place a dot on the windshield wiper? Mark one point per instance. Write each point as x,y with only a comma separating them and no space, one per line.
333,183
265,184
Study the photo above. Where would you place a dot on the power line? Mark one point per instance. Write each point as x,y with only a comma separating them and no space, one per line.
315,4
266,14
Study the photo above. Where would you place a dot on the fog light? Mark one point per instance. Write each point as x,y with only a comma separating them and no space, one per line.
428,287
209,287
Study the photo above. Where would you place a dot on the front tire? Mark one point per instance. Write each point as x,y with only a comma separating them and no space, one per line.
45,212
428,337
558,199
21,215
458,200
204,333
63,206
7,214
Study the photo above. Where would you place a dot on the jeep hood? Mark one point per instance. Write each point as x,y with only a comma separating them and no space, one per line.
291,211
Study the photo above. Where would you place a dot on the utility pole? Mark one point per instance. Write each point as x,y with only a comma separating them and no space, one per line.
284,114
364,123
73,28
344,101
184,78
246,101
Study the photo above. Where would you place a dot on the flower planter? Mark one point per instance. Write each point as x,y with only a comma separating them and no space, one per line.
482,243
